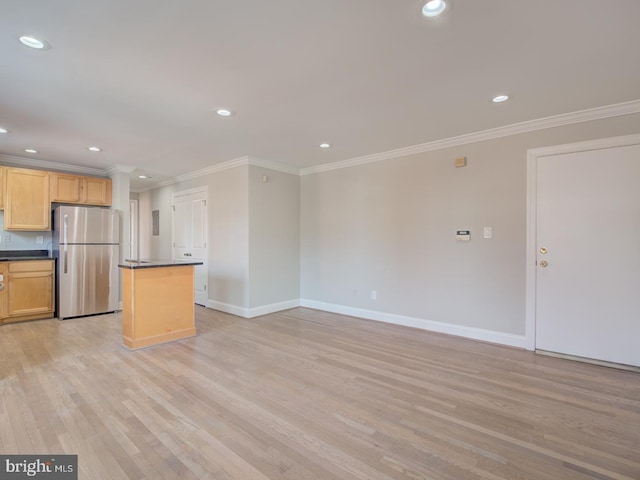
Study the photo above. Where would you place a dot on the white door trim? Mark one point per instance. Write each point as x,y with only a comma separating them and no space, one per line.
532,163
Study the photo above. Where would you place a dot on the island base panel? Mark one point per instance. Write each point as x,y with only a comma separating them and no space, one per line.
157,305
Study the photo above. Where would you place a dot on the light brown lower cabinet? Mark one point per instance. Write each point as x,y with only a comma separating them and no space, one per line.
29,290
3,290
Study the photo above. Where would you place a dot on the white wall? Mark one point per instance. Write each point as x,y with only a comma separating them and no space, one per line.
274,237
390,226
228,211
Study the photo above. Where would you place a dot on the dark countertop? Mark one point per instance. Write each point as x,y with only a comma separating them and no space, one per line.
157,263
17,255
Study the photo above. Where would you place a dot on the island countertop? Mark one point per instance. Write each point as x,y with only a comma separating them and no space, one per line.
152,263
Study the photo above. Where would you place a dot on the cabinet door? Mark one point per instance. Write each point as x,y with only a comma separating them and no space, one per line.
2,188
27,204
66,188
96,191
30,289
3,290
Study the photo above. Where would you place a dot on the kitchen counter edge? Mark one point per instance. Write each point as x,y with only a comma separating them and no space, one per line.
134,264
19,255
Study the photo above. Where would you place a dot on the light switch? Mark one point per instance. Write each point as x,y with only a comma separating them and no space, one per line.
487,232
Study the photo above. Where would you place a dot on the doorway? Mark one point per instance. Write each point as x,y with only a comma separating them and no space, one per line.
189,226
583,252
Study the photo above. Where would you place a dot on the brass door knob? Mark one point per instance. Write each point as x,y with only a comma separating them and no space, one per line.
543,263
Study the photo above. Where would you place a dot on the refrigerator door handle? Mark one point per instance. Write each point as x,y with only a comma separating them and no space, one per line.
64,239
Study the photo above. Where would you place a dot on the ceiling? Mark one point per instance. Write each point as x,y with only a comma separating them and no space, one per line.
142,79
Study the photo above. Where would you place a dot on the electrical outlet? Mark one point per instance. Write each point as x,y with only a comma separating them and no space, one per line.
40,239
6,237
374,295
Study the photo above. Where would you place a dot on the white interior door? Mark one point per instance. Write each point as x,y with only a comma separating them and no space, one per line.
190,236
587,300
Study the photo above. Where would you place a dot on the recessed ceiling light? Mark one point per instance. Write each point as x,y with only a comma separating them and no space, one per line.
95,149
33,42
500,98
324,145
30,150
3,130
145,176
433,8
223,112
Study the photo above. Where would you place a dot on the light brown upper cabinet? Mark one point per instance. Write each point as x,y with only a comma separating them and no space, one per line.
27,204
66,188
1,188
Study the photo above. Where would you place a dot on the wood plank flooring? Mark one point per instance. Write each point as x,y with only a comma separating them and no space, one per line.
304,394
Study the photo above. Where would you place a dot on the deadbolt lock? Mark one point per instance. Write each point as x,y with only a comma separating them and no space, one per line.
543,250
543,263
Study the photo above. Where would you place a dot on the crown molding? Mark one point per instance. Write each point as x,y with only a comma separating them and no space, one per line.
218,167
627,108
119,169
45,165
278,167
238,162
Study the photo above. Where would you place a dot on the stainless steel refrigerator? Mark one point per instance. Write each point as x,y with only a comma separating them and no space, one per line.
86,245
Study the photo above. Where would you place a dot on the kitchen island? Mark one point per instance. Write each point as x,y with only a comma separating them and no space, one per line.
157,301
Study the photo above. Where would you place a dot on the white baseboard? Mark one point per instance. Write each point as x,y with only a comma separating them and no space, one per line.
274,307
253,312
451,329
474,333
227,308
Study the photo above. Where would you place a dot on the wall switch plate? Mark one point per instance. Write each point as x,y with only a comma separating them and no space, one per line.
6,238
374,295
40,239
487,232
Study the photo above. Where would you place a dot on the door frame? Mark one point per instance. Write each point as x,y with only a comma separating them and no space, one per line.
532,198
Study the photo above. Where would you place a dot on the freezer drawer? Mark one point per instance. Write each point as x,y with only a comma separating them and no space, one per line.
85,225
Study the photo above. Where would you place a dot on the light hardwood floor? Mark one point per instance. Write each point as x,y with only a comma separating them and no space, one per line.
304,394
